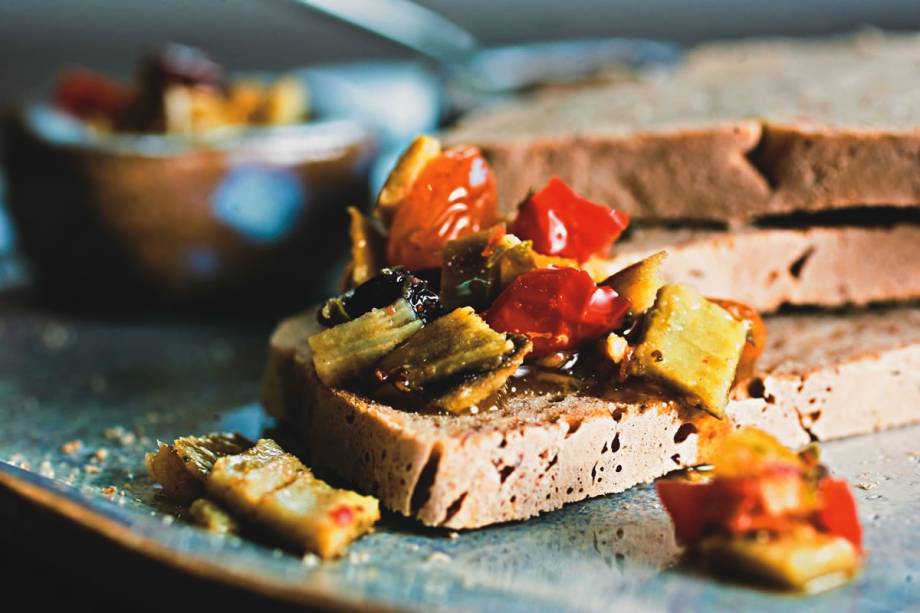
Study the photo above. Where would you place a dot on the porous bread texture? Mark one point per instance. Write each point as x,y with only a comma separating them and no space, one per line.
843,374
767,268
532,455
739,131
825,376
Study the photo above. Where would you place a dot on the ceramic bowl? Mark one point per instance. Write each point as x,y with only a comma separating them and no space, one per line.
247,218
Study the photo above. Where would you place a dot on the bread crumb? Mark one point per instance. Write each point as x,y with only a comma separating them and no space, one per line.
17,459
438,556
310,560
168,520
359,558
121,436
453,535
72,446
91,469
110,491
101,454
866,485
46,470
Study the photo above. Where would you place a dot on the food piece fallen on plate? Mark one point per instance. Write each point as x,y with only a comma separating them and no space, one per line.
263,484
765,512
181,468
275,490
179,90
212,517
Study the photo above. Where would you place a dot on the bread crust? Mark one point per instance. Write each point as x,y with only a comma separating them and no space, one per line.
738,132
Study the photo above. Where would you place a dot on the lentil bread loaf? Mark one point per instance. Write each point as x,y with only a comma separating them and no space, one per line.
535,454
740,131
766,268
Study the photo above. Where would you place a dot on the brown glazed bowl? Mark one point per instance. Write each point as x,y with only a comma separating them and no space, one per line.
252,219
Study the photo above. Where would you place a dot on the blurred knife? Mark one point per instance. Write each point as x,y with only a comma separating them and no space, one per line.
490,71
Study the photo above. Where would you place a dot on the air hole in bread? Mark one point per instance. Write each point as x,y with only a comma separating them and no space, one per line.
617,415
421,493
683,432
505,472
756,388
619,467
552,462
795,268
615,443
676,458
454,507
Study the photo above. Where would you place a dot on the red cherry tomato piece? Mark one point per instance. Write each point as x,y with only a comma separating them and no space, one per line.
838,511
88,95
558,308
454,195
729,505
562,223
684,501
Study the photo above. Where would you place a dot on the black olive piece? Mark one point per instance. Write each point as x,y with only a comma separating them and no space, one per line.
180,65
380,291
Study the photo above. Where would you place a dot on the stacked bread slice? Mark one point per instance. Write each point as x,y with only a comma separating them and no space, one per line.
775,173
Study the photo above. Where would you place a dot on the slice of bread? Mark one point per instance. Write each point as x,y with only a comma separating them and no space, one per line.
770,267
534,454
739,131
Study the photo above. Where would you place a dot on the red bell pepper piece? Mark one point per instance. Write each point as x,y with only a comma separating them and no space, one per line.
454,195
838,511
741,505
86,94
732,505
684,501
558,308
562,223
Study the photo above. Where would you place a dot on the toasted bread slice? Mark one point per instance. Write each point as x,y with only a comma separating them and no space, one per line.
536,453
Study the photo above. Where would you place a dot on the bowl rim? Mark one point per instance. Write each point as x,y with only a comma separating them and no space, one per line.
303,141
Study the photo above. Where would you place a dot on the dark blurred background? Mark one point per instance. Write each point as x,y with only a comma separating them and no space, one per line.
37,36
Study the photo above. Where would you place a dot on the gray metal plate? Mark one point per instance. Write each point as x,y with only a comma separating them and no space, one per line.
120,386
